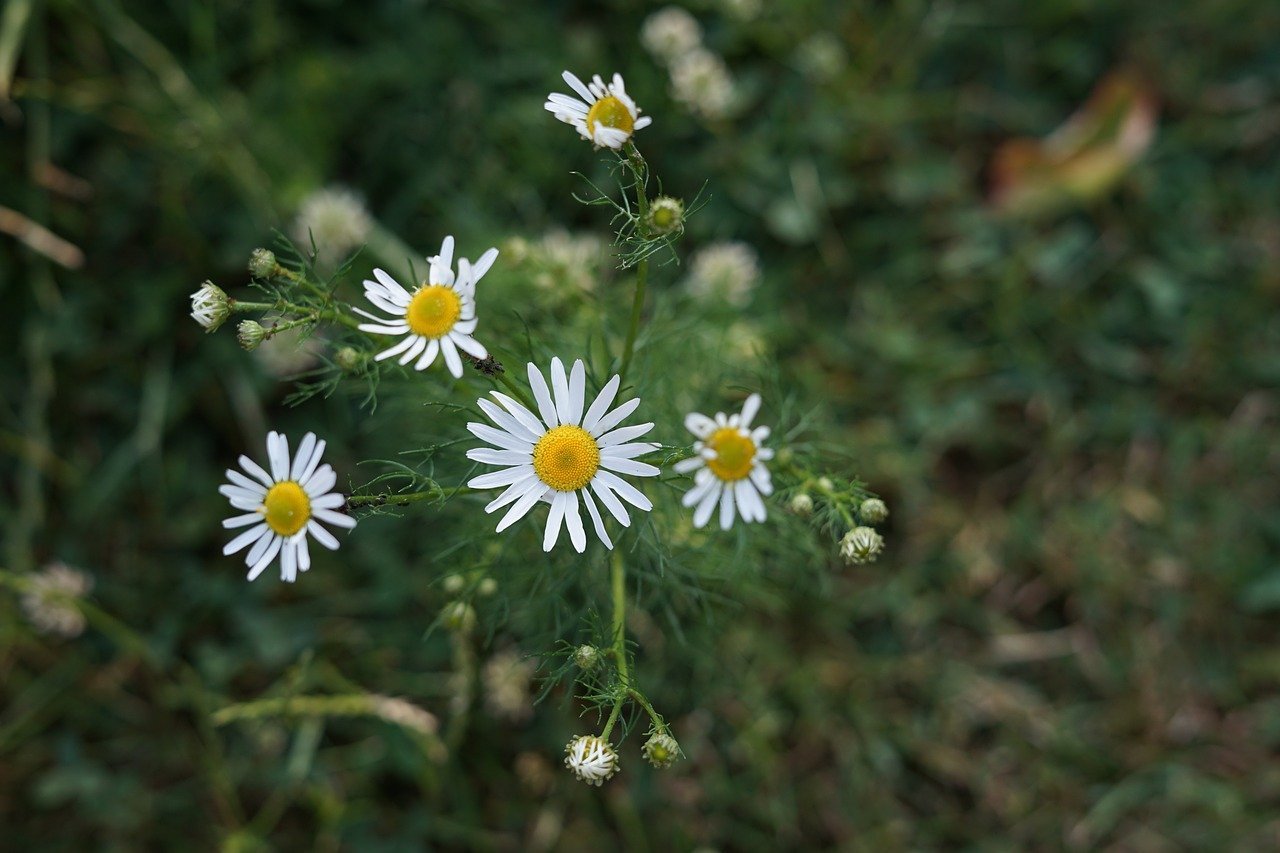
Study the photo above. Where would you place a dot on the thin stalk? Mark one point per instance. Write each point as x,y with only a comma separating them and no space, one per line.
637,307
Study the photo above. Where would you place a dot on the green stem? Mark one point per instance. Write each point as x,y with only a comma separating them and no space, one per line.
516,391
659,724
613,718
637,306
618,582
403,498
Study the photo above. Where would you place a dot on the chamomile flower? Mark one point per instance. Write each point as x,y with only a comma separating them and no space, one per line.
565,456
436,319
729,462
210,306
604,115
592,759
283,506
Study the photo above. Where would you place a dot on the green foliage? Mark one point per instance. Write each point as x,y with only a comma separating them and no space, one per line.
1068,640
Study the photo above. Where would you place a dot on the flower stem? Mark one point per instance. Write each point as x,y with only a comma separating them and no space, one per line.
618,581
402,498
659,724
637,306
516,391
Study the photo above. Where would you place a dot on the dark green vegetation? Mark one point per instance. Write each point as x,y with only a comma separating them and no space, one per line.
1070,640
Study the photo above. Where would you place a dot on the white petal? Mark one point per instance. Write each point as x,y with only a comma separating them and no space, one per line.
726,509
541,393
394,288
489,456
419,344
528,482
278,454
304,554
303,455
451,356
700,425
760,476
333,500
320,482
693,463
428,355
601,405
573,520
507,422
313,463
629,466
324,537
241,541
505,477
536,427
251,486
702,514
521,507
577,392
611,502
559,503
560,385
236,493
266,558
625,490
500,438
749,503
240,521
618,436
398,348
445,258
288,562
468,344
596,520
337,519
699,491
577,86
615,417
482,265
630,451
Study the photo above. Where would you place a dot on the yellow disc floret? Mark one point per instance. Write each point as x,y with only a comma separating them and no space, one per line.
286,507
734,453
610,112
433,311
566,458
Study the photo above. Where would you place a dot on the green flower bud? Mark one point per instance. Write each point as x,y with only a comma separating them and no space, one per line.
250,333
262,263
348,358
873,511
459,616
861,545
587,657
210,306
661,750
666,215
801,504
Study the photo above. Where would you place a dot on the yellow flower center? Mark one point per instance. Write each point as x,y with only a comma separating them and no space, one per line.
433,311
734,452
286,507
566,458
610,112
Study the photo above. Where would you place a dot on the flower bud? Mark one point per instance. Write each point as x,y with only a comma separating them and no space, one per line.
825,485
262,263
861,545
250,333
661,750
210,306
801,504
453,584
348,359
592,759
486,587
873,511
459,616
666,215
587,657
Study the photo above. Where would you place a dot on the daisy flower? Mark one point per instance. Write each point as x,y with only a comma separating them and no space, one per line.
436,319
605,114
556,458
730,466
284,506
592,759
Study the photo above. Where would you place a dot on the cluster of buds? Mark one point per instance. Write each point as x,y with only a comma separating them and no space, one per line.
594,760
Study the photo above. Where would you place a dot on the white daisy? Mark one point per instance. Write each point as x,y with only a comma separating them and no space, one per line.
592,759
730,466
284,506
556,458
605,114
437,318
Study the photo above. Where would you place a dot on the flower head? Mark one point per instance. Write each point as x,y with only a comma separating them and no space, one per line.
873,511
283,506
49,600
335,219
587,657
436,319
661,750
729,461
250,334
262,263
210,306
605,115
861,545
727,271
564,456
666,215
592,759
670,33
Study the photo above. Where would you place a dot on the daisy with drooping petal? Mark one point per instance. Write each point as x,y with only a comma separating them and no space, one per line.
729,462
436,319
563,457
592,759
283,506
604,114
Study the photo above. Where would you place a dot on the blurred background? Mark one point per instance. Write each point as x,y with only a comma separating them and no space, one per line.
1026,255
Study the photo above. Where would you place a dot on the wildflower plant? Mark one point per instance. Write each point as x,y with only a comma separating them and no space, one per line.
572,473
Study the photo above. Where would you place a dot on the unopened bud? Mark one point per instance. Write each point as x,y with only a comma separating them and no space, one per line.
873,511
661,750
210,306
861,545
348,358
262,263
666,215
250,333
801,504
459,616
587,657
